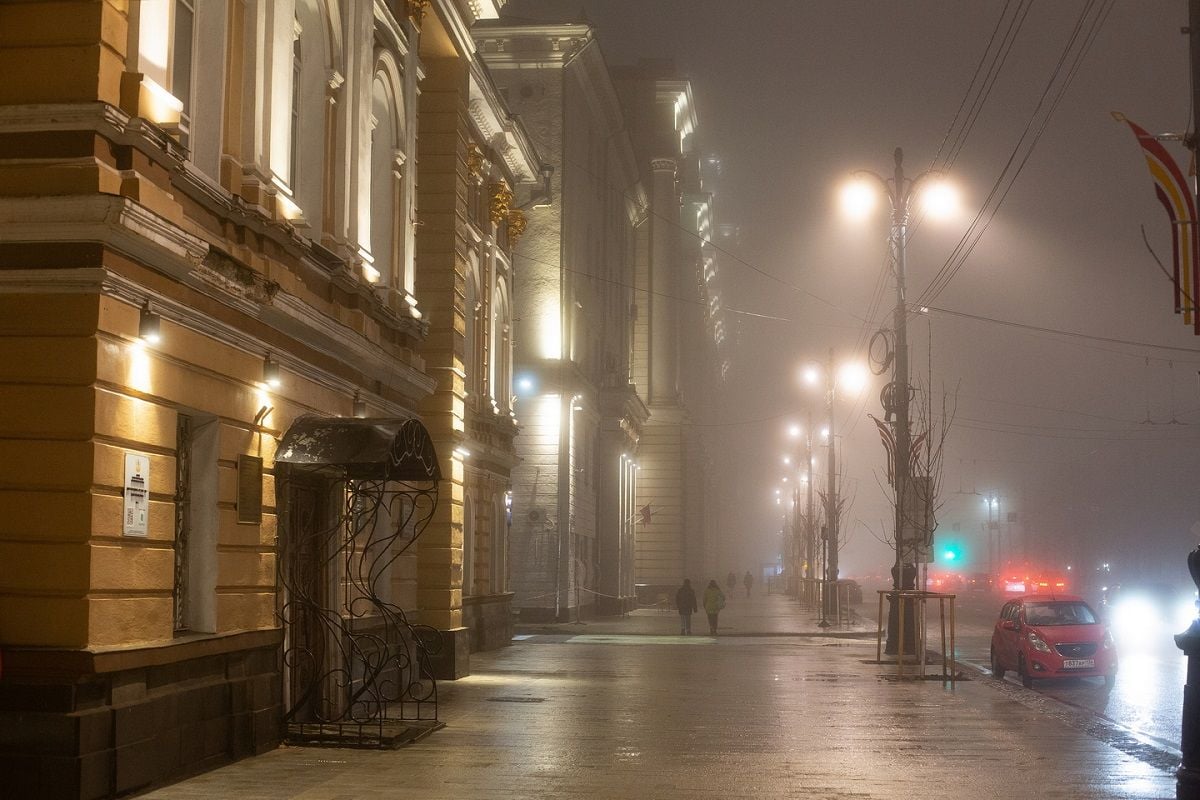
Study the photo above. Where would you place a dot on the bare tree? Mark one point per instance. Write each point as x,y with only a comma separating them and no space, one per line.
933,418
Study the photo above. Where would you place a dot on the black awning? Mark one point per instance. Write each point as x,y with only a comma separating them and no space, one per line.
390,448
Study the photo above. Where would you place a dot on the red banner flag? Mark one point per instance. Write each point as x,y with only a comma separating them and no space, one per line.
1175,194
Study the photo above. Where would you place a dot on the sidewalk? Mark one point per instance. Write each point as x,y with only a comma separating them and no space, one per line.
626,708
759,615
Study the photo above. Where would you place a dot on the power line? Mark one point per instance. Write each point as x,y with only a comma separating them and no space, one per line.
1061,332
1083,35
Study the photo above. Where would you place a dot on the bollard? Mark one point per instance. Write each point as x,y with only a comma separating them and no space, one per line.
1187,775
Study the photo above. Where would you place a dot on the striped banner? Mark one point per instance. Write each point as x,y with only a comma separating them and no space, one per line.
889,445
1176,196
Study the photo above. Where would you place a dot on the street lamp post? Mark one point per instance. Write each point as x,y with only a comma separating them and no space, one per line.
900,191
831,498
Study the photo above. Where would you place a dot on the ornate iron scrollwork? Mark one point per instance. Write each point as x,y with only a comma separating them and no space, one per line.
356,665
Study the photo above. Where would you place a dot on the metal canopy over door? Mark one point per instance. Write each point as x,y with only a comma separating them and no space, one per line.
355,494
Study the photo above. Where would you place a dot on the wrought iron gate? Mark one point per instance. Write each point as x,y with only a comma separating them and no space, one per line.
357,494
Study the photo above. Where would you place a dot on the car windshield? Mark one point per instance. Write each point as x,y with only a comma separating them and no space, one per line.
1064,613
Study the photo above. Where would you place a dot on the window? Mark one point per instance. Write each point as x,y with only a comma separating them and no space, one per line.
501,348
385,182
182,45
468,580
297,81
472,351
196,523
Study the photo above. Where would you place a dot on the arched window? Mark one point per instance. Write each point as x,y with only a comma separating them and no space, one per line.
468,580
312,65
472,346
499,549
384,181
501,348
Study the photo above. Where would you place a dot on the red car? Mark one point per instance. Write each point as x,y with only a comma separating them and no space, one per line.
1052,636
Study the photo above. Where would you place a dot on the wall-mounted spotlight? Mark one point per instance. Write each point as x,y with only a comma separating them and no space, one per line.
359,408
271,372
149,326
462,453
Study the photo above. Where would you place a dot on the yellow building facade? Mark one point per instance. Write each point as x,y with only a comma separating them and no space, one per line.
233,314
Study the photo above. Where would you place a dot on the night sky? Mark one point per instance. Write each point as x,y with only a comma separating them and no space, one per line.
1091,443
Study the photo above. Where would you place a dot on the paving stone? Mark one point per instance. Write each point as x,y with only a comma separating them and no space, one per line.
624,709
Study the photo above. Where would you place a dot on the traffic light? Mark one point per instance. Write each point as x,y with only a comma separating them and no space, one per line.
951,554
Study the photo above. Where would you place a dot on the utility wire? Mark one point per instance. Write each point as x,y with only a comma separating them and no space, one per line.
1083,35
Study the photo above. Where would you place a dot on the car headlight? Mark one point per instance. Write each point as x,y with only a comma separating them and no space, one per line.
1135,618
1038,642
1185,614
1107,642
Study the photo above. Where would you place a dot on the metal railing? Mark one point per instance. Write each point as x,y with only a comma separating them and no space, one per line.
919,600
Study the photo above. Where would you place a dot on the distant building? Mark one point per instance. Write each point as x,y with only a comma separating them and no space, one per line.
680,342
574,507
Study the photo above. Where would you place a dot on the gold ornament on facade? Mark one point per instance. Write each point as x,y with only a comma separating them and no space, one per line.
474,160
517,223
501,202
417,9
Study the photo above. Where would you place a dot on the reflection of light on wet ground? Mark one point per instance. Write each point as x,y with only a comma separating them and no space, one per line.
616,639
1139,779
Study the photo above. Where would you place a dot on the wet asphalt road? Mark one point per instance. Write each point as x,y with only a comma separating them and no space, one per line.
1146,699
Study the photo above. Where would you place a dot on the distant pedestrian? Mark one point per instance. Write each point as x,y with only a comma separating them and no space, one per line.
749,581
714,601
685,602
731,581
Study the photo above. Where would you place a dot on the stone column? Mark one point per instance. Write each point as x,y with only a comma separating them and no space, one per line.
664,315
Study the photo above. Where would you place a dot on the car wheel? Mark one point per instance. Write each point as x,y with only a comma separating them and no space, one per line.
1026,678
997,670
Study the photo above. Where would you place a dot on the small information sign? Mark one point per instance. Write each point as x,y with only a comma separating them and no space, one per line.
137,495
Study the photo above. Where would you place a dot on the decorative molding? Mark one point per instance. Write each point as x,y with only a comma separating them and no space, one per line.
416,9
475,161
663,165
314,330
517,223
500,203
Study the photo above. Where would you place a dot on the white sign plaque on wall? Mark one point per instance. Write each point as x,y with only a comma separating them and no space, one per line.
137,495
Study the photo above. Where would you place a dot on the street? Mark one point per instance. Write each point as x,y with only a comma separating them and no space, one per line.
771,708
1146,699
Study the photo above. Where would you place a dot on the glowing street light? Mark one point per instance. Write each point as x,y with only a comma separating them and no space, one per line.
938,200
858,199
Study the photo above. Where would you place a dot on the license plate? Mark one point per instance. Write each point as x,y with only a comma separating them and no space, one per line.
1079,663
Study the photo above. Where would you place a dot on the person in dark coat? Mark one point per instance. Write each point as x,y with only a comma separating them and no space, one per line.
749,581
731,581
714,601
685,602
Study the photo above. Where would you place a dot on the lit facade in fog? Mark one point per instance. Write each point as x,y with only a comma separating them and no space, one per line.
218,218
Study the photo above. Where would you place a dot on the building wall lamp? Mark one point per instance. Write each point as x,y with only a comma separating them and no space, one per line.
270,372
149,326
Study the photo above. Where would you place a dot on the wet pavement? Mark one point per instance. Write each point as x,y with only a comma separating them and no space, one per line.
771,708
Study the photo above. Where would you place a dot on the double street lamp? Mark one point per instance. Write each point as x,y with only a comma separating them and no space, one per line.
853,378
938,200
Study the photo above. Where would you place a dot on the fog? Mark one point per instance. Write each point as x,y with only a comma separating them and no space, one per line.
1088,442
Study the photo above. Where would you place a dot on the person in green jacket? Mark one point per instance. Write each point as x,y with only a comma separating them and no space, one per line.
714,601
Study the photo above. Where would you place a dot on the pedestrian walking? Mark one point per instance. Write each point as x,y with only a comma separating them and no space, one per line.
731,581
714,601
685,602
749,581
